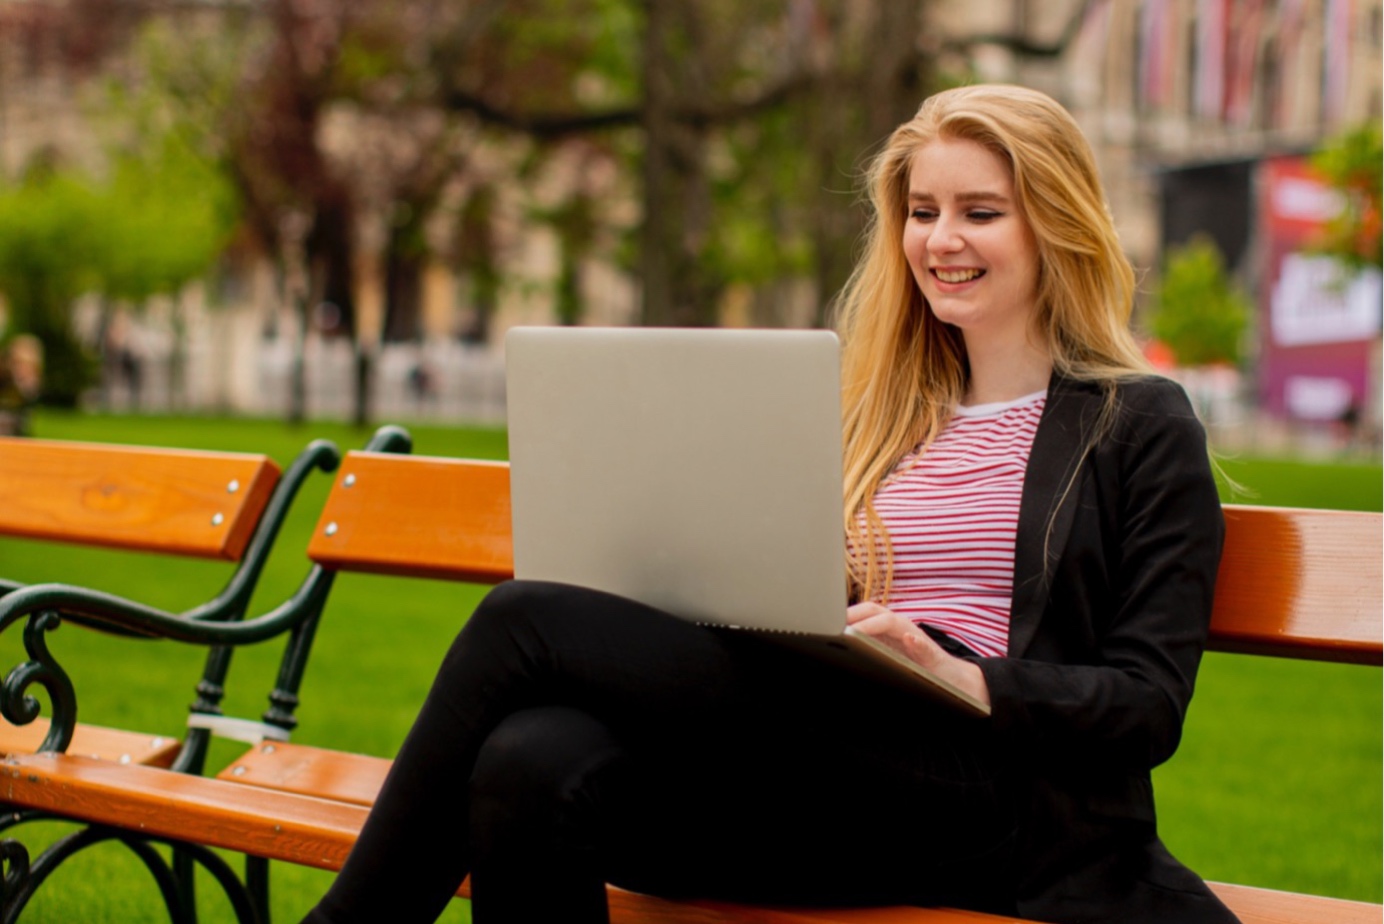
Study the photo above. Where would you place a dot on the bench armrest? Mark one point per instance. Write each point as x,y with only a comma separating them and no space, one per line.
46,605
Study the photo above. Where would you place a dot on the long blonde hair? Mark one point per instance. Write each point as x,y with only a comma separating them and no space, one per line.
903,370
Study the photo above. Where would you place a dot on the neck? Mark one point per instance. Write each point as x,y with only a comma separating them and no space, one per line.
1004,371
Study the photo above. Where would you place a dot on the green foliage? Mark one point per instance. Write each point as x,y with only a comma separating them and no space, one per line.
1197,311
1353,162
157,223
165,217
761,219
49,241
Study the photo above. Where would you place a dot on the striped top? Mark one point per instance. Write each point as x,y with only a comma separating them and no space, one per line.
952,515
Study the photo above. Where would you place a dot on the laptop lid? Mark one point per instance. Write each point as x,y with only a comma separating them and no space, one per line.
697,470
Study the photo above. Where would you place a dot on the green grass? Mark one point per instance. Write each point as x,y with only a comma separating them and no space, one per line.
1277,783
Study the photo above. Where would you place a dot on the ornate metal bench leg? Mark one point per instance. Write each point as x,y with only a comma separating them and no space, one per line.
183,871
22,879
167,879
257,884
236,893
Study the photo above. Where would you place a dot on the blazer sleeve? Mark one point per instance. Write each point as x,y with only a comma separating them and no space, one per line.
1131,620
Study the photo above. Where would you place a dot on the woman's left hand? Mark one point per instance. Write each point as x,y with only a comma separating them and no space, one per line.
903,635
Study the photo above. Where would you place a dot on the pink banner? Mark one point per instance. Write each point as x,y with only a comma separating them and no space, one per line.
1318,321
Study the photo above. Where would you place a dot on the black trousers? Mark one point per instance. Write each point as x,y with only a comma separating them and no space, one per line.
574,738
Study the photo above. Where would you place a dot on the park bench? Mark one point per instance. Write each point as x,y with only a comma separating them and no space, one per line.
1293,583
213,505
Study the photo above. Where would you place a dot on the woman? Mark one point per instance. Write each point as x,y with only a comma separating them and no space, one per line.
1027,513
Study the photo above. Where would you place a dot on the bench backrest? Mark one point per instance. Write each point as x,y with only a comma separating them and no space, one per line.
182,502
1293,583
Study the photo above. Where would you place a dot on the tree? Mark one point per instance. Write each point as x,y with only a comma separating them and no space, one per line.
268,90
1197,312
48,253
729,190
1350,162
165,216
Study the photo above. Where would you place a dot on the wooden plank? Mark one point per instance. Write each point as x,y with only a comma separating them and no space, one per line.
1301,583
357,779
417,516
1269,906
279,826
310,771
319,833
164,500
123,747
1295,583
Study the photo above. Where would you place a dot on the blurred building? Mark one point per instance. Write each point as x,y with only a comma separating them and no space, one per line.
1201,113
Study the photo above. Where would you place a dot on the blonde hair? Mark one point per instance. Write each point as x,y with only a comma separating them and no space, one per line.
903,370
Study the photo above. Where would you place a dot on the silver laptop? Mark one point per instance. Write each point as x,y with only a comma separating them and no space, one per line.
698,471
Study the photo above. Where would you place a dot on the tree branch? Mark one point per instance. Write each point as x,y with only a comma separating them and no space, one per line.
1024,46
553,125
549,125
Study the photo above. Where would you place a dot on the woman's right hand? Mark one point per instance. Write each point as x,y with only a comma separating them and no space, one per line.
904,635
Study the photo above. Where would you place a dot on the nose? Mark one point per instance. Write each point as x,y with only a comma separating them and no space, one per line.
945,236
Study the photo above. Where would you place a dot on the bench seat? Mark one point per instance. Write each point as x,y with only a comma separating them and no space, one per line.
318,832
355,779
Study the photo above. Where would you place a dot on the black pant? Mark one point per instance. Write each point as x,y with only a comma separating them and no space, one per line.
574,738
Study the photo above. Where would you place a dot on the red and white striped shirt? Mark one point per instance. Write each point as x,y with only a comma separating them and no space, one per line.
952,515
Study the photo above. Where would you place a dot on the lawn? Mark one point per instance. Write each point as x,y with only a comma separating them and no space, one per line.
1277,783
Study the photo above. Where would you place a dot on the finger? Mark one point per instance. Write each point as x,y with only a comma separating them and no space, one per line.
883,625
866,610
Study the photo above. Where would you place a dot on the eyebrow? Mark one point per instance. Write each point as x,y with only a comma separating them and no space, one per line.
964,198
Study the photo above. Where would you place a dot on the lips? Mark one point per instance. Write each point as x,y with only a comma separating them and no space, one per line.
957,275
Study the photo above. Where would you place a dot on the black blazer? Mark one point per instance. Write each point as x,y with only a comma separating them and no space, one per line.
1113,578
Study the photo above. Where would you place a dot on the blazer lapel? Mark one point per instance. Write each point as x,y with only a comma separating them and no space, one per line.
1047,506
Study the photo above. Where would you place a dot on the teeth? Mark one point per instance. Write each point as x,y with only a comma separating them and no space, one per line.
965,275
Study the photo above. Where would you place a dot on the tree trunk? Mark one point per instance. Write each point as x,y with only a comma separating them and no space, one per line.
882,69
678,290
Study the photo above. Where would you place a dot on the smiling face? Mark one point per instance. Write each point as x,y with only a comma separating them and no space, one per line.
972,253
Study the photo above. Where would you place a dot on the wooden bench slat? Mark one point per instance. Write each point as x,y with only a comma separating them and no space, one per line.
354,778
319,833
297,768
122,747
1270,906
279,826
1301,583
382,517
1295,583
162,500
